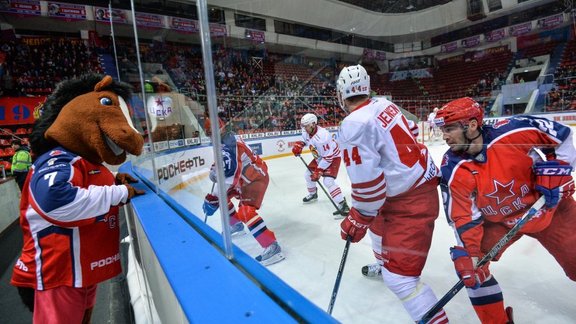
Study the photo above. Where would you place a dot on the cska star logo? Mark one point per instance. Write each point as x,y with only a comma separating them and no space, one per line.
502,191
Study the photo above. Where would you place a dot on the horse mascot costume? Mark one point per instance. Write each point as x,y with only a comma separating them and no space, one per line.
69,207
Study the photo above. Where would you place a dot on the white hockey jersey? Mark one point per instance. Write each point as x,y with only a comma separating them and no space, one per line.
323,146
381,155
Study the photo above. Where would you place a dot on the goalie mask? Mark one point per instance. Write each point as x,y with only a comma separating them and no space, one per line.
352,81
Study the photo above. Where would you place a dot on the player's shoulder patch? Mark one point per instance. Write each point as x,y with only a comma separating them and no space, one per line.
501,123
445,160
56,152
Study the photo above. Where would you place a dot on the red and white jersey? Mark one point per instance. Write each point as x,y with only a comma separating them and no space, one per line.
381,155
323,146
69,220
497,184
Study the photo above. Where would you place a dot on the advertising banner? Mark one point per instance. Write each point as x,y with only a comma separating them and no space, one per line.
21,7
66,11
19,110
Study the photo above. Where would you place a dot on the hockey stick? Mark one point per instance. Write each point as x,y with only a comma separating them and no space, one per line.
339,275
321,186
206,215
485,259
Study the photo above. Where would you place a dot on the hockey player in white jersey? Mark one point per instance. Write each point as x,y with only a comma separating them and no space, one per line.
433,131
394,190
325,164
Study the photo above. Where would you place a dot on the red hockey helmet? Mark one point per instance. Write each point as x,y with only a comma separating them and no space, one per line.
460,110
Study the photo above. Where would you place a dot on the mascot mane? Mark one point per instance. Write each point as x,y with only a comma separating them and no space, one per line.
66,91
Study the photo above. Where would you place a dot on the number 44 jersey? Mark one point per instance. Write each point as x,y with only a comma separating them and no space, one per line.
381,155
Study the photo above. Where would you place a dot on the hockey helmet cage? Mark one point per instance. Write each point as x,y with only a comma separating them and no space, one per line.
460,110
352,81
308,119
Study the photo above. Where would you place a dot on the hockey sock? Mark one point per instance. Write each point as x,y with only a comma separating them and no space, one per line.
256,225
488,302
416,297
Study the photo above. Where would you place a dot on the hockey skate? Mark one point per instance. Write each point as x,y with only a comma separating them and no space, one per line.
373,271
310,197
272,254
237,229
343,210
510,314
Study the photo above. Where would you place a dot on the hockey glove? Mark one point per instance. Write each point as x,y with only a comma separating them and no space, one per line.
210,205
124,178
554,181
297,148
234,192
315,176
466,268
355,225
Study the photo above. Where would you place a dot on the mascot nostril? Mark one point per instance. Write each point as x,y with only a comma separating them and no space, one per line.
70,200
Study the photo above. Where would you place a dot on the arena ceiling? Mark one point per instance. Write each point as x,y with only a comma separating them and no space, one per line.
330,14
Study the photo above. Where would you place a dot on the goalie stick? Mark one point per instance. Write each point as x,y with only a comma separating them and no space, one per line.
485,259
322,187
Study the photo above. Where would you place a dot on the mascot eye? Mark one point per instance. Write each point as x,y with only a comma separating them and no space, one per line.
106,101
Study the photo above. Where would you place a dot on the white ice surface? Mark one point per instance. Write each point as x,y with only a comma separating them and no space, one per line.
532,282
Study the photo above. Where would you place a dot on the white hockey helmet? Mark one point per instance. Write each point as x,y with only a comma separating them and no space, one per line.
352,81
308,119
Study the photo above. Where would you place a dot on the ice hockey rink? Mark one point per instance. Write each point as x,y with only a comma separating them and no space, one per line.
532,282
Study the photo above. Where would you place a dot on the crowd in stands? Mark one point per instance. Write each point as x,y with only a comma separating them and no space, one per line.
563,96
256,90
34,65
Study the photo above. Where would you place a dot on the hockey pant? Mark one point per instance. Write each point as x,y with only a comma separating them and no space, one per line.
250,201
328,180
401,237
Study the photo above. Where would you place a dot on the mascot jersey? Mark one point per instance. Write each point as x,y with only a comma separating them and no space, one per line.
69,217
487,187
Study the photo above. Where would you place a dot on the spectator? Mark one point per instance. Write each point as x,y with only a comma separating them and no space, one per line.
21,162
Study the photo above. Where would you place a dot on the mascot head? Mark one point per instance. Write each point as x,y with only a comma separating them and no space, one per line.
88,116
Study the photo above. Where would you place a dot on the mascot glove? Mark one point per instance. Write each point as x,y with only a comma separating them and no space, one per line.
554,181
465,266
210,204
133,192
317,174
124,178
297,148
355,225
